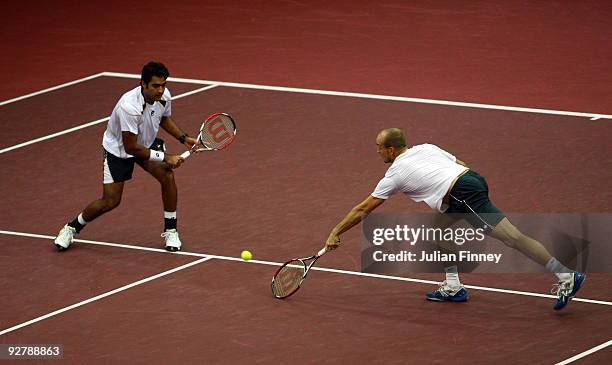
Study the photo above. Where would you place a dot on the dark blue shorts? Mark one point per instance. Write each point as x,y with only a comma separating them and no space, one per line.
118,169
469,200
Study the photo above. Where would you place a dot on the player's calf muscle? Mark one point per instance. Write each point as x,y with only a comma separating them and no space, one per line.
108,204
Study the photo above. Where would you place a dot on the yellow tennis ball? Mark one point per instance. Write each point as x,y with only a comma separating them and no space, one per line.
246,255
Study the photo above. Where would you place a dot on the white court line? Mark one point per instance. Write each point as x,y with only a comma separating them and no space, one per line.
591,116
104,295
57,134
337,271
373,96
52,88
194,91
586,353
208,257
89,124
213,84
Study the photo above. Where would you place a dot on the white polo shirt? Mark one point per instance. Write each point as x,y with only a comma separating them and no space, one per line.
133,114
424,173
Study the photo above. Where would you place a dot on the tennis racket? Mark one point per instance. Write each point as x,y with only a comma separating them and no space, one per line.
290,276
216,133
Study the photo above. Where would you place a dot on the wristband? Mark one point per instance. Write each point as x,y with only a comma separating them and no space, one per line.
182,137
156,155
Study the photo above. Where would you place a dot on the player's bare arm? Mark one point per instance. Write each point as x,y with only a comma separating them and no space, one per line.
168,124
131,145
461,163
352,218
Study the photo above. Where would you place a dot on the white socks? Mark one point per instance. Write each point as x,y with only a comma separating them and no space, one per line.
557,268
553,265
452,277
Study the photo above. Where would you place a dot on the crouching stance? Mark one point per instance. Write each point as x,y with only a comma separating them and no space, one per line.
131,138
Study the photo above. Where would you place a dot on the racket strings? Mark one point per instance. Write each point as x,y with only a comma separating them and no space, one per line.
218,132
288,278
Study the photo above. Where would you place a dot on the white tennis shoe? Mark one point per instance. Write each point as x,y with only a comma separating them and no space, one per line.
173,243
65,237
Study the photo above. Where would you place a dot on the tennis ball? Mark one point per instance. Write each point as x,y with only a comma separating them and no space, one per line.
246,255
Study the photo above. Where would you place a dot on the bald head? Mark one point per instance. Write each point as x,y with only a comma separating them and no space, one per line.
391,143
393,137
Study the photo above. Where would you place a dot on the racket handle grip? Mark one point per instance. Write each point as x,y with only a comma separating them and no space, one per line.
322,252
185,154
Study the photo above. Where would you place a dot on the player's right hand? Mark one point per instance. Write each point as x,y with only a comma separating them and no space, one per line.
173,160
333,242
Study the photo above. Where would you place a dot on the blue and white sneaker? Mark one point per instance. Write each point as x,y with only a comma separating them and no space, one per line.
567,289
447,294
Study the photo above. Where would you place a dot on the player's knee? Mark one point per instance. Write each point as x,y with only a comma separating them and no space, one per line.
167,177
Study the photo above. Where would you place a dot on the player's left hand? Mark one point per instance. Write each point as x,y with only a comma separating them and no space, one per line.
190,141
333,242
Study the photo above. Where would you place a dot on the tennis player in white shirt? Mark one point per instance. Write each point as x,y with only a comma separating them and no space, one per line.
131,138
426,173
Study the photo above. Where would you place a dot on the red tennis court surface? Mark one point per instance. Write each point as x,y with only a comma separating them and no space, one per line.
299,163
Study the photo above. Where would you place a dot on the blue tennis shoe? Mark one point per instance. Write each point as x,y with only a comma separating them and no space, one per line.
447,294
567,289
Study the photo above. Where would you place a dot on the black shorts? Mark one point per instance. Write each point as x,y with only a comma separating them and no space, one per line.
469,200
118,169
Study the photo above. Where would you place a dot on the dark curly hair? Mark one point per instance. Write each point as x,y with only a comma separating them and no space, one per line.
154,69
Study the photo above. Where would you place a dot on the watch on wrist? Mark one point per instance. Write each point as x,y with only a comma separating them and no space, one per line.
182,137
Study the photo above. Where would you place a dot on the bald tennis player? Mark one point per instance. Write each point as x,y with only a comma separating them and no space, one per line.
427,173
